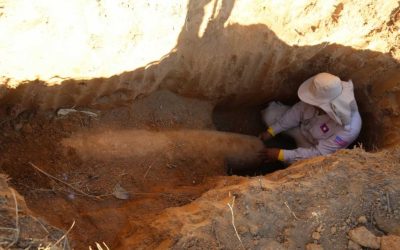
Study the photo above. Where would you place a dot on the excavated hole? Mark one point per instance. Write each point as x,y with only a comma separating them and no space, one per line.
182,164
247,120
170,165
161,150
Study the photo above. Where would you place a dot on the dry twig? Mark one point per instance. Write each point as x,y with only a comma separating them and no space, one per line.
100,247
40,223
294,215
16,237
233,221
8,228
388,203
65,235
148,169
63,182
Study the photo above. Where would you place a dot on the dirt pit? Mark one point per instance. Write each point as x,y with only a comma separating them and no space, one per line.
126,165
154,174
138,167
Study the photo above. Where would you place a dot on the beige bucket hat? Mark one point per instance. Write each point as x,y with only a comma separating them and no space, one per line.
328,92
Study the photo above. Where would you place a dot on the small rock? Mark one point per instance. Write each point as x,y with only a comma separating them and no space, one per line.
365,238
390,242
71,196
253,230
120,192
316,236
313,246
353,246
348,221
362,219
18,127
333,230
389,226
27,129
286,231
272,245
242,229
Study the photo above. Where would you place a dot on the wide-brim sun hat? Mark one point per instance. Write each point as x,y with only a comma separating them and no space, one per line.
334,96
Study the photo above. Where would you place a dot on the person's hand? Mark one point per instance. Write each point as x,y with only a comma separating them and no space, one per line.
269,154
265,136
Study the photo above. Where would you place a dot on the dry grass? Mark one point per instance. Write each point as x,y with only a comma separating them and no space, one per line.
231,205
63,182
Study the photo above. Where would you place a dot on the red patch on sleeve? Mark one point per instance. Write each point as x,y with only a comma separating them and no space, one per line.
324,128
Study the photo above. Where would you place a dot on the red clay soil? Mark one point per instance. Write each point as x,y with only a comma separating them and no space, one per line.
152,175
313,204
167,176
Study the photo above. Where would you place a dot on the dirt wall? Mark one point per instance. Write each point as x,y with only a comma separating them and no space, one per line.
104,38
228,51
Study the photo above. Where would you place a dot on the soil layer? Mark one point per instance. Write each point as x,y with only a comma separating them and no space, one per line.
125,166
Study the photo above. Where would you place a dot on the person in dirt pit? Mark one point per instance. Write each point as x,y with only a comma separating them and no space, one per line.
324,121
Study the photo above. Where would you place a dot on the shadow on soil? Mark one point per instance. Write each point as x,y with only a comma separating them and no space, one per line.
241,80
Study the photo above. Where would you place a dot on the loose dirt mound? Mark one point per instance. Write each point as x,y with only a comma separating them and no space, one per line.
315,201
